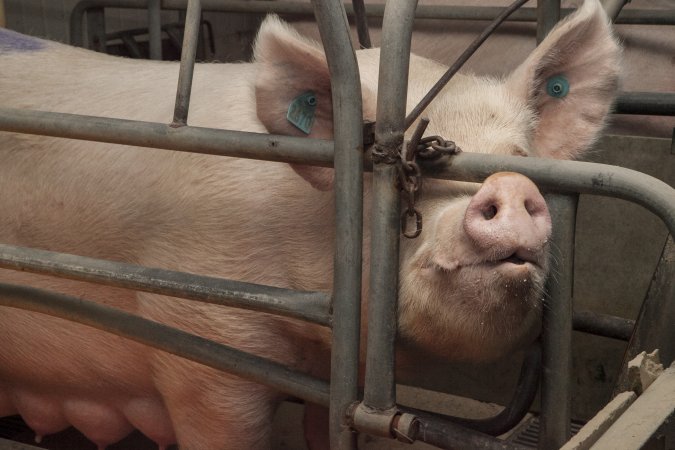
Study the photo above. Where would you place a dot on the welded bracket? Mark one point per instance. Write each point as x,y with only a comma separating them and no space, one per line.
390,423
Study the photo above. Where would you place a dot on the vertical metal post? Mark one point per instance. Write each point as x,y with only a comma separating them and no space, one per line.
348,161
155,29
380,385
557,326
96,30
654,326
361,23
187,62
548,14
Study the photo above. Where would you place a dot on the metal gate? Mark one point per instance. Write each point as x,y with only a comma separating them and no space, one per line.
376,412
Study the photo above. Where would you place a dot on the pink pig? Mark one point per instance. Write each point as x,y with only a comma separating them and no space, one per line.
471,283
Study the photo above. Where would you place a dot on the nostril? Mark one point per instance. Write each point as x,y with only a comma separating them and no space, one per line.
534,207
490,212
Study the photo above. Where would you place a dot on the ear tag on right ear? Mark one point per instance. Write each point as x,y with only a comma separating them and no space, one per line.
301,111
557,86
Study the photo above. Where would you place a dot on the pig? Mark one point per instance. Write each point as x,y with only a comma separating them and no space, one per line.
644,46
470,287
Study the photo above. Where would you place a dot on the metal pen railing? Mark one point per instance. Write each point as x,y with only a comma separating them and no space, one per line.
345,153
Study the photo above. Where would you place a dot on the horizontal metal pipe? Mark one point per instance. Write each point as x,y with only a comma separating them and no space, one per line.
156,135
603,325
648,103
308,306
168,339
554,175
448,435
513,413
564,177
448,12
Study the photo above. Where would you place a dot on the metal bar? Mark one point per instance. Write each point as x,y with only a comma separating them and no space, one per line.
463,58
361,23
655,321
548,14
554,175
513,413
131,45
96,29
603,325
564,177
168,339
348,158
187,63
556,382
613,7
650,103
380,386
155,29
448,435
309,306
157,135
447,12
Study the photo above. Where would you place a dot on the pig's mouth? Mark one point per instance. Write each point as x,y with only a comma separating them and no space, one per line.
515,264
515,259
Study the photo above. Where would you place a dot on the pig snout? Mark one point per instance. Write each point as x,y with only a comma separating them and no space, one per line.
507,219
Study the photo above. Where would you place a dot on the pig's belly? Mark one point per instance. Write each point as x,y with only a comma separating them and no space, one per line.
103,420
56,373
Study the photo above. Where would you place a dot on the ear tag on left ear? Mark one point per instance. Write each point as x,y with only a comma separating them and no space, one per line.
301,111
557,86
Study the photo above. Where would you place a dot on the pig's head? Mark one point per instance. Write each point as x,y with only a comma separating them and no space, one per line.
471,285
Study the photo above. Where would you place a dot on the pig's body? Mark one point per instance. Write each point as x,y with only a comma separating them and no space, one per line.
259,222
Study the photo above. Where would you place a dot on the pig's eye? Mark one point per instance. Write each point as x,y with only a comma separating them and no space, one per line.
557,86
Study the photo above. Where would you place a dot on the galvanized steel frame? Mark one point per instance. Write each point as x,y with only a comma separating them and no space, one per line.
346,154
546,15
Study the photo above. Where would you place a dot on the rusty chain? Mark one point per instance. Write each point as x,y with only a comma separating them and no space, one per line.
410,175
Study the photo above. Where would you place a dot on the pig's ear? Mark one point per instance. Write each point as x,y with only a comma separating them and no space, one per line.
570,80
293,94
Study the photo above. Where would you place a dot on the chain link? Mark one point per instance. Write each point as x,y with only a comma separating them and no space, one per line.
410,175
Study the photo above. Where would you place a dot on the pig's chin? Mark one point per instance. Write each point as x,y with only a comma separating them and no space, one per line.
475,312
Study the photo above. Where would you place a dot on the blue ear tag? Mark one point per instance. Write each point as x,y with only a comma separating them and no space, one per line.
557,86
301,111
